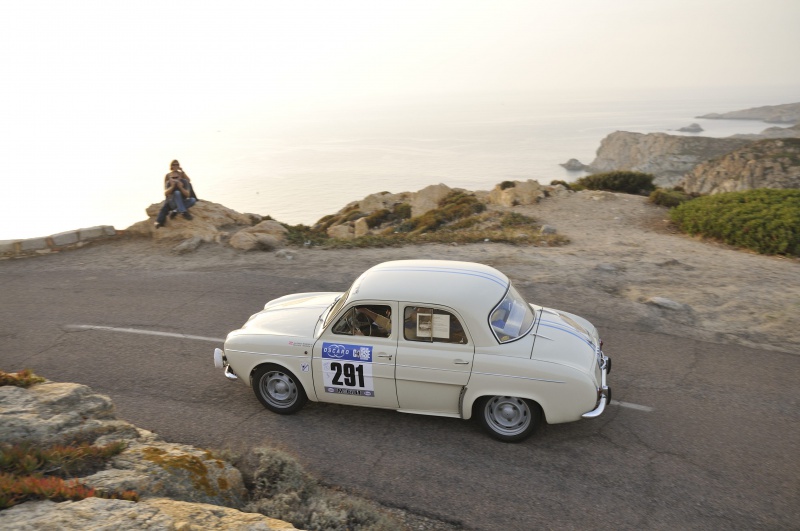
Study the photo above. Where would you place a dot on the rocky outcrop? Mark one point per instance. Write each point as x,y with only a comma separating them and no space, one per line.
691,128
788,113
518,193
763,164
211,222
180,486
667,157
574,165
505,194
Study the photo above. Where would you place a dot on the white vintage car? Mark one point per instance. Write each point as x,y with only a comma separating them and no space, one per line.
435,337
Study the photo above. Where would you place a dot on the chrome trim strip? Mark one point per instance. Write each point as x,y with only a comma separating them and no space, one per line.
304,356
518,377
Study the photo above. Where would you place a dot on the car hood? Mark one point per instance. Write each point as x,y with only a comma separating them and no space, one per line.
565,338
292,315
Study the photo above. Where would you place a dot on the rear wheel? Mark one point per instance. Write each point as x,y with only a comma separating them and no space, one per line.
508,418
278,390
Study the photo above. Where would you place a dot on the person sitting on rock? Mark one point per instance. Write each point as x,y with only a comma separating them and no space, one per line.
179,194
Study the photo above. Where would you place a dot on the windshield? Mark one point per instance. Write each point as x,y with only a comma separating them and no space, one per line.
512,318
336,306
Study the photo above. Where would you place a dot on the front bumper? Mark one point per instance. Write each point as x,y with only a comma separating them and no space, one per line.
220,362
603,392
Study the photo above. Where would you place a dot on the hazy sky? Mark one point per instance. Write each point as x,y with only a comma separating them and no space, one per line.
183,56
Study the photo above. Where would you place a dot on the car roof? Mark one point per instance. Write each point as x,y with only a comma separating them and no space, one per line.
464,286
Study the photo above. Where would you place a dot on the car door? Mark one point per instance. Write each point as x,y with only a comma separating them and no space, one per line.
354,358
434,360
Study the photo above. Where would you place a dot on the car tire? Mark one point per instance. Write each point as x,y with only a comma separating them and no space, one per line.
278,390
508,418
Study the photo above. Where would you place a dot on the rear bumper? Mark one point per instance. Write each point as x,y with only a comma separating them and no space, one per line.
221,362
603,392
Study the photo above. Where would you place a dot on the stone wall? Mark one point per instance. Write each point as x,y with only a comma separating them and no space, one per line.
57,242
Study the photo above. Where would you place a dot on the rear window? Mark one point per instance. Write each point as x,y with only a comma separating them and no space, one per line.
512,318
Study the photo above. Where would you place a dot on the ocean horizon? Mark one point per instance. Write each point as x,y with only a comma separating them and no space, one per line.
302,165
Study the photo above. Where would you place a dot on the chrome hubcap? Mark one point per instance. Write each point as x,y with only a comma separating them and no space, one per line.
278,389
508,415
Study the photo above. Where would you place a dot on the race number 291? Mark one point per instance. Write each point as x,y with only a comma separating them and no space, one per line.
353,374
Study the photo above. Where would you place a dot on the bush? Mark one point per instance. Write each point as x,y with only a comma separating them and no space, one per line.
669,198
283,490
23,378
456,205
764,220
22,469
627,182
507,184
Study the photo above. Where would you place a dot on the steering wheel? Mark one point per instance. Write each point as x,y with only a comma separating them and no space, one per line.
363,323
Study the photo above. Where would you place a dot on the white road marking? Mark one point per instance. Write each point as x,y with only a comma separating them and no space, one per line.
631,406
220,340
143,332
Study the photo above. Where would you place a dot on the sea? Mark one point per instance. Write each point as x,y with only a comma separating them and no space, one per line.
301,164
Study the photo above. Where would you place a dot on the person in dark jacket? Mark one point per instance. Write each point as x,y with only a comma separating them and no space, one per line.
180,195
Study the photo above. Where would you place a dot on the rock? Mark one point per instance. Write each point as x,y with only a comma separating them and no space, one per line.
188,246
120,515
574,165
360,227
383,200
547,229
522,193
207,223
692,128
428,198
180,486
252,241
667,157
668,304
764,164
342,232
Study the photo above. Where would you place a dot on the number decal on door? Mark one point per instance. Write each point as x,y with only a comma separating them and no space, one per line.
347,369
350,371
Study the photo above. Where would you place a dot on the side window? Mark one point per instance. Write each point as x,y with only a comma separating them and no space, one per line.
432,325
373,320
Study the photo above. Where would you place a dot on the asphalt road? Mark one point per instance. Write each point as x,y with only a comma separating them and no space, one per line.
717,449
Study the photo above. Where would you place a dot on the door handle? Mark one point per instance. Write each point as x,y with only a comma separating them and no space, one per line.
459,361
384,355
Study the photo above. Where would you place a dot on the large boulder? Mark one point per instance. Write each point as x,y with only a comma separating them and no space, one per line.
521,193
209,220
428,198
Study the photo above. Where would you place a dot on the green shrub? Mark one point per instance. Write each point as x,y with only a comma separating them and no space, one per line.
669,198
565,184
283,490
402,211
23,468
513,219
627,182
456,205
24,378
764,220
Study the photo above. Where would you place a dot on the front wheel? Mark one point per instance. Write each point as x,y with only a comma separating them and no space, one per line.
278,390
508,418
